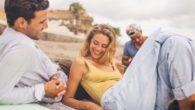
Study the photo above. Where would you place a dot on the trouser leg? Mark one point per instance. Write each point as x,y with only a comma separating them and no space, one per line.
175,71
137,89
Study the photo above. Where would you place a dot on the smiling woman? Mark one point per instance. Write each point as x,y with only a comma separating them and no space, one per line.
95,69
103,37
98,46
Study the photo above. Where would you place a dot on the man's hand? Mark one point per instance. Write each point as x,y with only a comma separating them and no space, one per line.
126,60
55,88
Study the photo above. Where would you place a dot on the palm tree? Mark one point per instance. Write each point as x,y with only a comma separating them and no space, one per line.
77,10
117,31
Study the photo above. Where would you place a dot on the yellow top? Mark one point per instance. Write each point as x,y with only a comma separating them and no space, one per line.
97,81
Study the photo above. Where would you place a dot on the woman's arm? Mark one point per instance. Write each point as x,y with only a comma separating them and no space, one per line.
77,70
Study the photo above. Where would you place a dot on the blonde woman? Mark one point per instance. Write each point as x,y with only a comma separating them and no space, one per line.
158,73
96,64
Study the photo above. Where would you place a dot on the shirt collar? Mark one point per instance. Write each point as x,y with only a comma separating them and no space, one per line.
20,36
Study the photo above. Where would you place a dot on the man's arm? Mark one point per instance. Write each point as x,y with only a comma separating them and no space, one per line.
126,60
13,65
20,95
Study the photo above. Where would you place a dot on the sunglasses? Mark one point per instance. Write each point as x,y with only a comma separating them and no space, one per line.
131,34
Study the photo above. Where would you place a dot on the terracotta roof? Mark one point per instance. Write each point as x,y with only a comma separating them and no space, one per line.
66,15
60,14
2,14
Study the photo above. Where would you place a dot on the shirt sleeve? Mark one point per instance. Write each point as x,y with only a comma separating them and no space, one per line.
51,66
23,95
13,65
125,51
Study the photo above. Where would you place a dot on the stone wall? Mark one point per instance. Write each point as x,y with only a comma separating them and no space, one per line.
49,36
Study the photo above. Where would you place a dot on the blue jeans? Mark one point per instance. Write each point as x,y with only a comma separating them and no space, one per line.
161,70
176,71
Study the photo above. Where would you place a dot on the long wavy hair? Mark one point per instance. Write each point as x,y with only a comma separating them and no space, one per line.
106,30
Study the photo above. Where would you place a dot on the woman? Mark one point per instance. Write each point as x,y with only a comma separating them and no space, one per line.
95,68
139,88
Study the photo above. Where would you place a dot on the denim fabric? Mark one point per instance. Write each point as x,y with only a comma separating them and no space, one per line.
155,75
175,71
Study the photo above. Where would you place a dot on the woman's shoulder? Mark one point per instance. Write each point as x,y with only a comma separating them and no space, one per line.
119,66
79,62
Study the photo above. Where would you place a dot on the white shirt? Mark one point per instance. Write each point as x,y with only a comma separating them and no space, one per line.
24,69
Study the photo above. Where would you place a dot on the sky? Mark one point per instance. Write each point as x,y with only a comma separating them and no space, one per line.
177,16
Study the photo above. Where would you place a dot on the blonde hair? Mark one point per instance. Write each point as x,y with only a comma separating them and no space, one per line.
104,29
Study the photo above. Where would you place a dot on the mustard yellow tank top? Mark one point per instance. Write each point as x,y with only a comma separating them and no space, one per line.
97,81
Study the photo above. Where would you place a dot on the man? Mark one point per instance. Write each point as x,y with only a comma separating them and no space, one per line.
131,47
27,74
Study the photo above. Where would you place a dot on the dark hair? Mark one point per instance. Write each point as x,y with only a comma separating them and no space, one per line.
23,8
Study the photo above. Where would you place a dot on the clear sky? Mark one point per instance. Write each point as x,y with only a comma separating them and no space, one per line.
173,15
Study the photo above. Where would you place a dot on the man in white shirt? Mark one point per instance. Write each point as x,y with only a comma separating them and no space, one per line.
27,74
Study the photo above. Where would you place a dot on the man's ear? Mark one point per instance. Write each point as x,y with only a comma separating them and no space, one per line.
21,23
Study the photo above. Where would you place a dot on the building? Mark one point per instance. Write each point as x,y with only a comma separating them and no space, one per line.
67,19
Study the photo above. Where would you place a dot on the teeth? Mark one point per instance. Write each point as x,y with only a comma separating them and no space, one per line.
137,39
97,53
